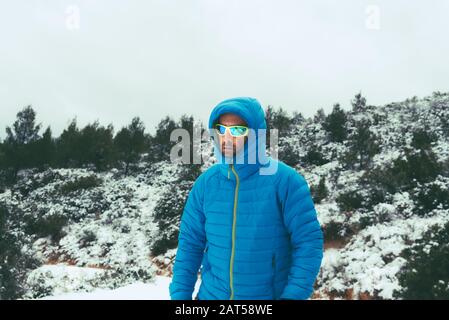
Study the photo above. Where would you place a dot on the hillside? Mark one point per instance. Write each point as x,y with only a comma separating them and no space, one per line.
379,176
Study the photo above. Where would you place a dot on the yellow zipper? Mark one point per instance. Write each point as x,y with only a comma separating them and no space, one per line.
236,194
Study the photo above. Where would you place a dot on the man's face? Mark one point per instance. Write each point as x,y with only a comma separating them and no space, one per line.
230,145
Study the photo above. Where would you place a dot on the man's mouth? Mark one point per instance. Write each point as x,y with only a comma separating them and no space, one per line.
228,148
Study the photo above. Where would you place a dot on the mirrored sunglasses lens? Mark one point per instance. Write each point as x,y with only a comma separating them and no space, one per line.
238,131
221,129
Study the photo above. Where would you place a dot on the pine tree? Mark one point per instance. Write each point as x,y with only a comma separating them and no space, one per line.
68,146
320,116
14,264
45,150
363,143
288,155
130,142
320,192
160,144
18,146
24,128
96,145
423,138
359,103
314,156
278,119
188,123
425,276
335,124
297,118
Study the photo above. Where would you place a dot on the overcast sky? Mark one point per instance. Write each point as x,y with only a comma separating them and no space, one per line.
112,59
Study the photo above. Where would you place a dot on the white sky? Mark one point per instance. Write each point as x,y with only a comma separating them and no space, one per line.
159,57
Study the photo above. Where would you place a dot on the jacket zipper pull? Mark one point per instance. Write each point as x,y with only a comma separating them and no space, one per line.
229,172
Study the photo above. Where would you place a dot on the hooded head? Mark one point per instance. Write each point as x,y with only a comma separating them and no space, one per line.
254,151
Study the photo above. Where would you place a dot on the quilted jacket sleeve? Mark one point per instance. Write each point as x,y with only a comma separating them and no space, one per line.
191,244
306,236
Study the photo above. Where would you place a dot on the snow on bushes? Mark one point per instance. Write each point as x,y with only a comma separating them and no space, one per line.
86,219
51,280
370,262
426,274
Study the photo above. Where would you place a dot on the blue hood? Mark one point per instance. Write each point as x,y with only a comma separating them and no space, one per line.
251,111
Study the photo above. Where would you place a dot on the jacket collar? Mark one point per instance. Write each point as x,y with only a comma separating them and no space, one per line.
244,169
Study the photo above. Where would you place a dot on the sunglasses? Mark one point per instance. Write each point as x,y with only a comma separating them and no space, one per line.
236,131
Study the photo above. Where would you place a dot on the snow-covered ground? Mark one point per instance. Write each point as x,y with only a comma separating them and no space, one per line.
155,290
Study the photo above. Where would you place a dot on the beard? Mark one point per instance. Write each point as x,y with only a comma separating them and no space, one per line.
228,148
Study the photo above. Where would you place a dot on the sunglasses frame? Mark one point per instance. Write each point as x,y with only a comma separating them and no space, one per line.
229,128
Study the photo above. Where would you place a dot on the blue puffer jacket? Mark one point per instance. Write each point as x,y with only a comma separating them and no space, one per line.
255,235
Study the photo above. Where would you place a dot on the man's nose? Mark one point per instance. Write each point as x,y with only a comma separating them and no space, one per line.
228,137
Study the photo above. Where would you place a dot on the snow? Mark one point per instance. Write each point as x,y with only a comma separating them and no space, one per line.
60,279
111,225
329,212
371,260
157,290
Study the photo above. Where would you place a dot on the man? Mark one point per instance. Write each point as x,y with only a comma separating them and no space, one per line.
255,234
